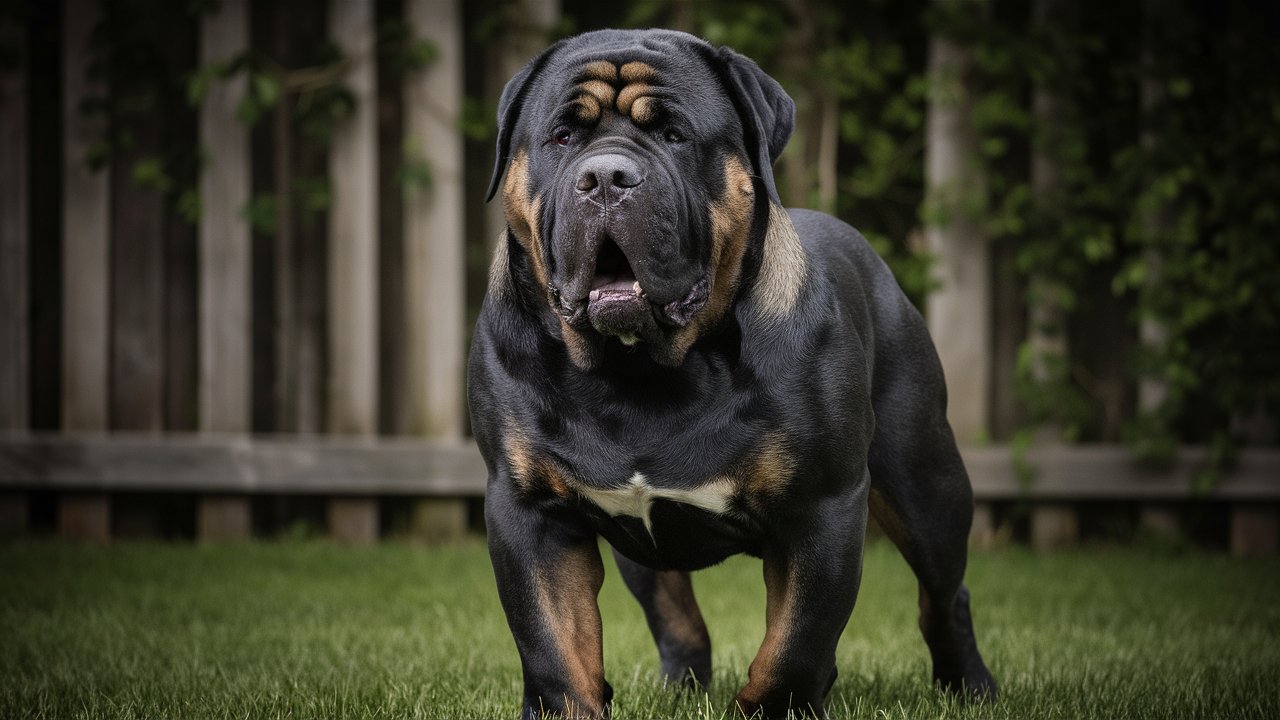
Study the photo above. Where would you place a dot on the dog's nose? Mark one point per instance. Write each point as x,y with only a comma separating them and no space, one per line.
613,172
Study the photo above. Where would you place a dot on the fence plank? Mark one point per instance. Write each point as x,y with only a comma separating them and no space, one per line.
138,253
1255,529
353,520
221,518
435,266
225,280
1054,526
959,311
85,517
230,465
85,261
353,232
14,234
15,515
1111,472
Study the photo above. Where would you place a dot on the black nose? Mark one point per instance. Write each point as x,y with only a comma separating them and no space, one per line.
613,172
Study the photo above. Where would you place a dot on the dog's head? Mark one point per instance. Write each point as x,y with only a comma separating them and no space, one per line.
636,174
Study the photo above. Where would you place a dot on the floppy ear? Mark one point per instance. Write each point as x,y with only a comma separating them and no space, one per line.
768,113
509,106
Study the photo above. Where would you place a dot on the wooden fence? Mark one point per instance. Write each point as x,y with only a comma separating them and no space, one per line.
228,367
355,480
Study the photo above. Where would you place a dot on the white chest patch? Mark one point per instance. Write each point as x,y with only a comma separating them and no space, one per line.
635,499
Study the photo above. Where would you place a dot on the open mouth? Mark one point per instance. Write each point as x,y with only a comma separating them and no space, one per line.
616,304
613,274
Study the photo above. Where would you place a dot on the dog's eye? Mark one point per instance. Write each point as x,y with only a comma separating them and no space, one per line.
561,137
673,136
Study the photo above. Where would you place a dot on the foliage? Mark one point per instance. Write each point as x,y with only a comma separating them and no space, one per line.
1167,155
132,49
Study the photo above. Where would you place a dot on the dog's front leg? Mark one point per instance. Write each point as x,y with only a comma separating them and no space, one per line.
811,578
548,568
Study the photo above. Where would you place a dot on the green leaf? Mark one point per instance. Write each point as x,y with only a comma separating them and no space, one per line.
149,174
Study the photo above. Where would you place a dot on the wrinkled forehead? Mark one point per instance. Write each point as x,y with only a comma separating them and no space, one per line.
646,81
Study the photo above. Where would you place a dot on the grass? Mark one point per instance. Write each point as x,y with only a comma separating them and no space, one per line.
311,630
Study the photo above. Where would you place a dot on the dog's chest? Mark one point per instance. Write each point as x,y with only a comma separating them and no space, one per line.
687,475
636,498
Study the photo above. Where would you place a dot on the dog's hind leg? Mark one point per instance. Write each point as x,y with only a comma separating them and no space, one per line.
684,646
920,495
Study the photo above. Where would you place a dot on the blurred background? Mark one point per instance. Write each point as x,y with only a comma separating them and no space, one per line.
242,245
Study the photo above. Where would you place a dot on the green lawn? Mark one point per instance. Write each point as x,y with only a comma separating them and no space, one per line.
311,630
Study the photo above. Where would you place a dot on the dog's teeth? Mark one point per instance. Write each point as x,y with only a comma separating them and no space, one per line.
595,295
636,287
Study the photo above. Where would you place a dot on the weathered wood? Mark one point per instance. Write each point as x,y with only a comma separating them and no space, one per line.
353,232
353,520
85,257
393,413
982,533
402,466
1054,526
225,259
15,514
138,252
1110,472
85,517
528,27
223,518
240,465
435,267
959,311
1255,529
14,233
435,520
1160,520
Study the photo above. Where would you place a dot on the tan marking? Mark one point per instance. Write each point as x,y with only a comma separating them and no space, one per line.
600,91
601,70
588,108
675,604
730,226
888,520
519,456
603,92
524,213
642,110
779,616
636,71
566,594
630,94
772,468
764,474
783,267
531,471
581,353
499,267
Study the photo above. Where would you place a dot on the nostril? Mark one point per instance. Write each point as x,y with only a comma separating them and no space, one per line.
587,181
626,178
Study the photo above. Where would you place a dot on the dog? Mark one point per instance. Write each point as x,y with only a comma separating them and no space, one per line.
668,359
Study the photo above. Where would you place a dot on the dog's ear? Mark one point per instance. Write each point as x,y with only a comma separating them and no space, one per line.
768,113
509,106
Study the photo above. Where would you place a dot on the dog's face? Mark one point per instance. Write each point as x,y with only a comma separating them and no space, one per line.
632,167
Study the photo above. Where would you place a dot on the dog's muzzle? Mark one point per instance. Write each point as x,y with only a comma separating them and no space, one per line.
609,193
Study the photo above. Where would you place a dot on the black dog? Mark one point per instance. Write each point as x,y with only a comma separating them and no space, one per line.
669,359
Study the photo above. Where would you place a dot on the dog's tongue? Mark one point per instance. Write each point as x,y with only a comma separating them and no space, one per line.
616,306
